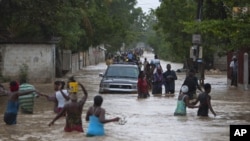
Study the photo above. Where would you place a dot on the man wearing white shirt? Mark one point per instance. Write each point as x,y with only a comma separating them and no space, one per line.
234,71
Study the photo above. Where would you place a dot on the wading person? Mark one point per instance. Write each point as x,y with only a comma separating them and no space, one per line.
157,82
142,85
192,82
60,96
169,77
145,63
183,102
26,101
205,102
11,112
147,71
96,117
73,112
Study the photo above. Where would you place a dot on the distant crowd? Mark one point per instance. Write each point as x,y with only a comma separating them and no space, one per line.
132,56
153,78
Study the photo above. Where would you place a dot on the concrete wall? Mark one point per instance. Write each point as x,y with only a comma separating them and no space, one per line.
40,59
75,63
93,56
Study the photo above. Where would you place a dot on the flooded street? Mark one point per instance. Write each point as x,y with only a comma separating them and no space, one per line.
147,119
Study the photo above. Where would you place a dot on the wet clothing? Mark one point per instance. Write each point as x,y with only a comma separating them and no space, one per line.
181,107
58,110
148,74
234,72
204,107
60,98
27,101
95,127
157,64
130,57
145,63
192,83
169,81
73,123
142,86
157,83
10,114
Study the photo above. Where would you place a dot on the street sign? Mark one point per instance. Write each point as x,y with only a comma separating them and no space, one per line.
196,39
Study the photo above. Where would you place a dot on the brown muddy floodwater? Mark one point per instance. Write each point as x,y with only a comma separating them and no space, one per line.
148,119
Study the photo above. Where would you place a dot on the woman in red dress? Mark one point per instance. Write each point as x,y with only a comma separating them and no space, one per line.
142,86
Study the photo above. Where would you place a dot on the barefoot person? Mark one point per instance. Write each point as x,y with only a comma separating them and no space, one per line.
73,111
96,117
11,112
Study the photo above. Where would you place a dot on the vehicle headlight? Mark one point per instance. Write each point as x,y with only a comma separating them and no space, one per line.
134,86
104,85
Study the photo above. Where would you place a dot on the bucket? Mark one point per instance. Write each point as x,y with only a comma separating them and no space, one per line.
73,87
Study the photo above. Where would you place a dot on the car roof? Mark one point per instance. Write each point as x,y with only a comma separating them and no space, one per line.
123,65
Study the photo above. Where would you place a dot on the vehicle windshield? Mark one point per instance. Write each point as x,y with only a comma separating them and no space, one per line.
125,72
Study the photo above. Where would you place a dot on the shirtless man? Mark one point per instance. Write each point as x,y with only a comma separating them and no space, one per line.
73,111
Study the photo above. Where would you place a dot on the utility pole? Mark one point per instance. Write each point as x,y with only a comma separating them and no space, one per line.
196,38
196,49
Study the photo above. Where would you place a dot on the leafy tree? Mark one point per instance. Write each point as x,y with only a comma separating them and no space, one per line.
42,20
221,31
170,16
79,23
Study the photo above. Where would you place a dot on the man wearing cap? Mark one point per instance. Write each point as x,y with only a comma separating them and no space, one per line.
183,102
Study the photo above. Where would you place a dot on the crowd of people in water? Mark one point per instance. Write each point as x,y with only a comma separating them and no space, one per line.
67,105
152,77
131,56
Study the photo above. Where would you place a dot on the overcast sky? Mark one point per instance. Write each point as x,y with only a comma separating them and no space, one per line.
146,5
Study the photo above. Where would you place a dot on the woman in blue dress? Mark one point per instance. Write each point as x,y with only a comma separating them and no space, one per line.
96,117
10,114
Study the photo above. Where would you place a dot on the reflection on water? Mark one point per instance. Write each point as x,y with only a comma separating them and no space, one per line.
147,119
